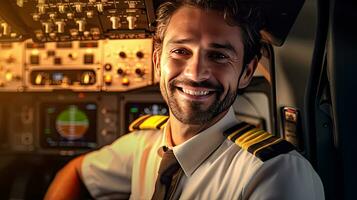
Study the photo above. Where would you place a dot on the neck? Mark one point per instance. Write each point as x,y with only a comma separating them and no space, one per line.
181,132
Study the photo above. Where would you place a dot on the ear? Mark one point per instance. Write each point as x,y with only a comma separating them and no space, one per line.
156,60
248,72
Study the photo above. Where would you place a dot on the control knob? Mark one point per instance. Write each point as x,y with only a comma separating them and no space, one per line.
139,71
108,67
120,71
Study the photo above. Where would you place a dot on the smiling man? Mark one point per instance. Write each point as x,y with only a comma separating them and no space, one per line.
205,51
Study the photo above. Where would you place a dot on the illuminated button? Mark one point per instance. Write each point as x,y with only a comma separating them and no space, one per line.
38,79
86,79
125,81
8,76
108,79
108,67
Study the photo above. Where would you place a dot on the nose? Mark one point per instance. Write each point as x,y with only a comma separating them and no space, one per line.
196,69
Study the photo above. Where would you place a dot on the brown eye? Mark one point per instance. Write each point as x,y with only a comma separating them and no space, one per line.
181,51
218,57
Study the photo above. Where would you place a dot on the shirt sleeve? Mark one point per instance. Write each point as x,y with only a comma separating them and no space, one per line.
107,172
286,177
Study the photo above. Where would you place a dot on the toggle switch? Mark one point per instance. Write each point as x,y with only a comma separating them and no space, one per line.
115,22
60,26
131,22
47,26
81,25
61,8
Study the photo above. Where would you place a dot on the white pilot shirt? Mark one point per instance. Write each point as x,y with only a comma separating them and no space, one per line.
214,168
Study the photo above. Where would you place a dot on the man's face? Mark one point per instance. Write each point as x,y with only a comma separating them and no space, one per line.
200,64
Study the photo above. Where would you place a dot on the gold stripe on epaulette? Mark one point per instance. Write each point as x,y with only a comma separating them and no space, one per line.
267,145
153,122
237,132
261,137
137,122
257,141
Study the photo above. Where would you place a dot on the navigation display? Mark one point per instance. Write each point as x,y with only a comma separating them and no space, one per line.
72,125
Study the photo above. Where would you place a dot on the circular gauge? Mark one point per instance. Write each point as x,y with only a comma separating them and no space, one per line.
72,123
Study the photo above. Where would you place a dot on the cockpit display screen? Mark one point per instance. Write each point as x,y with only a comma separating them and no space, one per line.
68,125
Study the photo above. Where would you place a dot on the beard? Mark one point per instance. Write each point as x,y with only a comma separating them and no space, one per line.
195,113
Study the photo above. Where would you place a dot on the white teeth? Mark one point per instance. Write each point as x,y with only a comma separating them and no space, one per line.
195,93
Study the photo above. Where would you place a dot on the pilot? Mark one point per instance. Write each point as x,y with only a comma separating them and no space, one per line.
205,52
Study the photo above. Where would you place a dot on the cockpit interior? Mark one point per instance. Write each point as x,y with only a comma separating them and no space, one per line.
75,73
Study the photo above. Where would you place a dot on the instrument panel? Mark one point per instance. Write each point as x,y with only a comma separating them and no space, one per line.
67,20
90,66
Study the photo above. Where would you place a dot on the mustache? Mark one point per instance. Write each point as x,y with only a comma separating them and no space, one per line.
205,84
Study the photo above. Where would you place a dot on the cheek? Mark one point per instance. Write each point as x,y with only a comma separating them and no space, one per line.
171,69
227,75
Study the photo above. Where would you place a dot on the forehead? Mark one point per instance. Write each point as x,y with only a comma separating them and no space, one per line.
202,25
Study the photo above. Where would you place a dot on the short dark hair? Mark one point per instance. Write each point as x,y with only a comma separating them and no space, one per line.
248,18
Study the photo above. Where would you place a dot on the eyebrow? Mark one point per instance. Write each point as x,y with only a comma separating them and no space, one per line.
226,46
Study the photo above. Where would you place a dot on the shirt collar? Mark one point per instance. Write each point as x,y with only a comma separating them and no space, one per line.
194,151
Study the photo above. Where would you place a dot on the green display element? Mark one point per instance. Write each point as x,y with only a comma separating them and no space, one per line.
134,110
72,123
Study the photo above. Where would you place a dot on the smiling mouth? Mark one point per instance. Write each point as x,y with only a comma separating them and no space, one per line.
201,92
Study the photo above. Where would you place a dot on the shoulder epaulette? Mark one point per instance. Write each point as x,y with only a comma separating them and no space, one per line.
147,122
257,141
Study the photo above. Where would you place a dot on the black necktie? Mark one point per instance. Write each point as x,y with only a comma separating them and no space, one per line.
168,176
